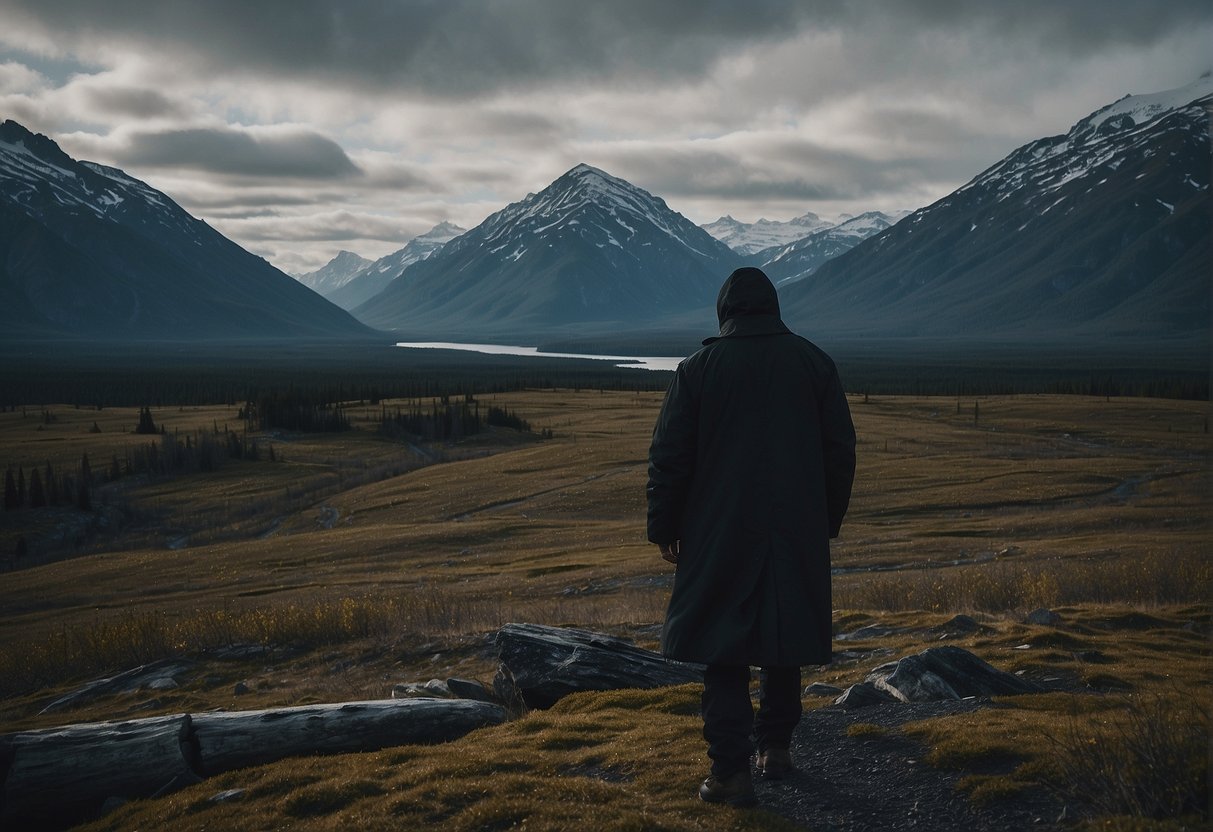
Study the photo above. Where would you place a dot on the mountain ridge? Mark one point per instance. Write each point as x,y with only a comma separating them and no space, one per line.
1100,232
89,251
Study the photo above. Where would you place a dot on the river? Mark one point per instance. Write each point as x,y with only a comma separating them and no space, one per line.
631,362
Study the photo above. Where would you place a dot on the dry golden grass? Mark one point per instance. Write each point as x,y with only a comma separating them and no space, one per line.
619,760
358,579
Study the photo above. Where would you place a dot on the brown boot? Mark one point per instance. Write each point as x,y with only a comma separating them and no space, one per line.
775,763
734,790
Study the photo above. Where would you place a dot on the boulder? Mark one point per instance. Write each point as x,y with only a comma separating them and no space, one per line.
539,665
470,689
941,673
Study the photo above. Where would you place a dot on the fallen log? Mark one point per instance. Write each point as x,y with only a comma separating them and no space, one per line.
239,739
539,665
61,775
55,777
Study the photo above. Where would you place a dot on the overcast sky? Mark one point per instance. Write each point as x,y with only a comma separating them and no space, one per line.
300,127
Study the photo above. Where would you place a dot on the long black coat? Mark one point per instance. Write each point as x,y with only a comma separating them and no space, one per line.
751,467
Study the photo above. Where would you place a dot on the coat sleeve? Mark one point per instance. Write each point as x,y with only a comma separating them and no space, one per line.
838,451
672,460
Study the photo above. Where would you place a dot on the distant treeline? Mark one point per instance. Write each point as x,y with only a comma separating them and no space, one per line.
277,379
448,421
300,382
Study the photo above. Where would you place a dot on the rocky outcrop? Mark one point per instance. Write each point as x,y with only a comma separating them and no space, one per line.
934,675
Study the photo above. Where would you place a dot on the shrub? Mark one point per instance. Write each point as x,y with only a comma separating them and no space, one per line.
1150,760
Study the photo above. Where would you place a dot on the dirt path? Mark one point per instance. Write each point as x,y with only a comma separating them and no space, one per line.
854,784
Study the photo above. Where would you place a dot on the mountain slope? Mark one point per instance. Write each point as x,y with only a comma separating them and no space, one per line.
801,258
87,251
374,277
1104,231
589,248
748,238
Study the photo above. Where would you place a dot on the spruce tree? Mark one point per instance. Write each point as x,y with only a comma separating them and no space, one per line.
52,486
37,496
20,486
10,491
146,425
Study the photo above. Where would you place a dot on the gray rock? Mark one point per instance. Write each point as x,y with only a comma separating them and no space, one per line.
470,689
822,689
863,695
240,689
1043,617
433,689
942,673
913,681
163,683
128,681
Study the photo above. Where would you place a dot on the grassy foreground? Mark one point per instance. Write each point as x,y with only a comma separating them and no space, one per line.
360,561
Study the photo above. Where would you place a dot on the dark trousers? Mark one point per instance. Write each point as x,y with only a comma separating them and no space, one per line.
729,719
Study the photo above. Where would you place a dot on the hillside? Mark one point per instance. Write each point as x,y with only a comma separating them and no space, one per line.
88,252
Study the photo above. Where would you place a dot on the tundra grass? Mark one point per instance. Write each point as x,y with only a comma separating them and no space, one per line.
389,561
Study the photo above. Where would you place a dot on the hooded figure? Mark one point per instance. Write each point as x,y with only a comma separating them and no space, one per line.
750,473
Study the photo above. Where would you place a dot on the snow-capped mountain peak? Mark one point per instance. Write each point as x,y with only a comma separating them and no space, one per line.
798,259
1133,110
588,247
749,238
587,195
367,281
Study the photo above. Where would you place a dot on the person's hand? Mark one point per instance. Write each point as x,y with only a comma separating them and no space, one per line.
670,551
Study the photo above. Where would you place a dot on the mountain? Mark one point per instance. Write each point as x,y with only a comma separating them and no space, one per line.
334,274
752,237
799,259
587,249
88,251
1102,232
374,277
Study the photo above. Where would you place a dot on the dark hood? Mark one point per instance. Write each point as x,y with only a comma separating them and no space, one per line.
747,305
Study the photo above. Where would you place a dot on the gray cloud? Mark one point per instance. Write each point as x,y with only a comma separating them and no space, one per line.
133,102
335,225
295,154
465,47
357,123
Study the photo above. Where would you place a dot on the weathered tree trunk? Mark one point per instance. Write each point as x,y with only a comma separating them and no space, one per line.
245,738
54,777
539,664
59,775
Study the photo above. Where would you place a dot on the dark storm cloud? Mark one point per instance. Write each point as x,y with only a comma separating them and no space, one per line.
461,47
133,102
777,170
301,154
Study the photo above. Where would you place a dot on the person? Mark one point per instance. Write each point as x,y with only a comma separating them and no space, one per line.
750,473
